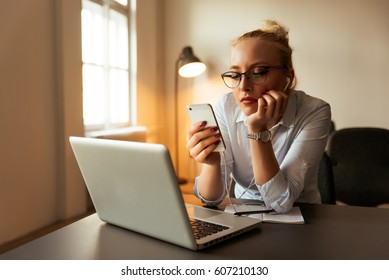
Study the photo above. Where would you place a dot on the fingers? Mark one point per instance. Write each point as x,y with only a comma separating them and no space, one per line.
195,128
201,152
274,103
202,141
195,133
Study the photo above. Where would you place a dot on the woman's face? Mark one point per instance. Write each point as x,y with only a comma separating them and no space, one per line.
248,54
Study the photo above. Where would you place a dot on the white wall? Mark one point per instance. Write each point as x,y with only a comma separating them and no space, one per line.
340,51
40,106
152,105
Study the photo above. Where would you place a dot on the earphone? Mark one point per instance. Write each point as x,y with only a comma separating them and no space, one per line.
287,83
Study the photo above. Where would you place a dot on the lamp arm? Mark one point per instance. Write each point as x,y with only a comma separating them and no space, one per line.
176,117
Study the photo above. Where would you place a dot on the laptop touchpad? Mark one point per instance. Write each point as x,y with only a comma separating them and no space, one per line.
200,212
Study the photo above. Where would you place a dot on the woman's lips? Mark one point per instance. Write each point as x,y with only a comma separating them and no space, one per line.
248,100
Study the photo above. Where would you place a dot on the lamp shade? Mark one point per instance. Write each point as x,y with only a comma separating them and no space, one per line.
189,65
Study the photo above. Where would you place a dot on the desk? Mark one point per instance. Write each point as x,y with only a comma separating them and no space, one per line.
330,232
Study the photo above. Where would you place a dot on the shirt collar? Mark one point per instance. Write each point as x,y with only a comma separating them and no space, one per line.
290,111
241,117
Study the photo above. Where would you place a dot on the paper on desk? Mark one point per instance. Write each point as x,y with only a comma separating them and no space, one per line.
294,216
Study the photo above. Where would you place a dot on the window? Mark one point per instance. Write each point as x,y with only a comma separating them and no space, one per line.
105,57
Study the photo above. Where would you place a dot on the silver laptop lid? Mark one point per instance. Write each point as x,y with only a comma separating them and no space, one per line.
133,185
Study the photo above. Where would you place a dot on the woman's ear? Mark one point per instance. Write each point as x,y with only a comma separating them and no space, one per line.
287,83
290,80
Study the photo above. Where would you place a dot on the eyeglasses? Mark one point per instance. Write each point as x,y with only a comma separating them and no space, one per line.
255,75
246,206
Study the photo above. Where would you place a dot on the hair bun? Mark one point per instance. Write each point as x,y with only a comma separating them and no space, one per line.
278,30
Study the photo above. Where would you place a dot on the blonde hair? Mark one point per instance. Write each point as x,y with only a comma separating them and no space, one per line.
272,32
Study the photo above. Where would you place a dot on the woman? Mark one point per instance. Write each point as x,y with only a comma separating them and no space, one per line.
275,135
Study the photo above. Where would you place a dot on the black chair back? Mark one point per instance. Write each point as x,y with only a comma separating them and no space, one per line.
360,159
325,180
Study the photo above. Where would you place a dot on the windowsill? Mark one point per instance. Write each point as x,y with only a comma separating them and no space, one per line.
130,133
104,132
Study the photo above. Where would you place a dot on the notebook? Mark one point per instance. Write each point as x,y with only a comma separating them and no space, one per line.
133,185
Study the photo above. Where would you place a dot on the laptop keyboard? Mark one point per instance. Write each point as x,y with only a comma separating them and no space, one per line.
202,228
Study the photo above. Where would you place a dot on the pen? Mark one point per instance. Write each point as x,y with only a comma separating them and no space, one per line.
253,212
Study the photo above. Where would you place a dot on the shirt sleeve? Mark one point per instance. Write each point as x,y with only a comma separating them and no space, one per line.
300,166
208,202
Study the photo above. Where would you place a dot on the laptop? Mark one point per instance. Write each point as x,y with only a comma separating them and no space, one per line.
133,185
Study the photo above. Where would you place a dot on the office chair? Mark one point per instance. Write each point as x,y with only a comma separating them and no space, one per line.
360,159
325,180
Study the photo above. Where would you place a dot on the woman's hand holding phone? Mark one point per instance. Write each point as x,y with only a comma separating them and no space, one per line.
204,137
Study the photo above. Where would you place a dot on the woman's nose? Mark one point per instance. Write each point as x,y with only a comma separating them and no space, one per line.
245,83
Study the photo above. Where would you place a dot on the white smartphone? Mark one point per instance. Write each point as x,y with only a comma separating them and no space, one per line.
204,112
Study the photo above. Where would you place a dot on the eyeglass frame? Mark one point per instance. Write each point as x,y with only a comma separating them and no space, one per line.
267,69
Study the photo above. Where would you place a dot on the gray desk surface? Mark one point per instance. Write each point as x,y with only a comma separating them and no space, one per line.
330,232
